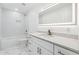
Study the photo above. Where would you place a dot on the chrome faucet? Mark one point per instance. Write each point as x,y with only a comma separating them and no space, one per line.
49,32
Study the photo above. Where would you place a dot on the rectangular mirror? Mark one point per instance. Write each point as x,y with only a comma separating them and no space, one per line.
59,14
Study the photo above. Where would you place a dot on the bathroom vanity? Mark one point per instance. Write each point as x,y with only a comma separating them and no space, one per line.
43,44
55,15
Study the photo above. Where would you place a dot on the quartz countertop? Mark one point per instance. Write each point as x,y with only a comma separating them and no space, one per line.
71,44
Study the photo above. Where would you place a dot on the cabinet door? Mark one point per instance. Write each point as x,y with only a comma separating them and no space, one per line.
36,49
45,52
61,51
45,44
36,45
32,47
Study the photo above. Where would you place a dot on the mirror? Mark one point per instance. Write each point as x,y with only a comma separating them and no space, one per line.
59,14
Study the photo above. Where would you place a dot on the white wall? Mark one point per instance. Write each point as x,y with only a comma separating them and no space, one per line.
12,23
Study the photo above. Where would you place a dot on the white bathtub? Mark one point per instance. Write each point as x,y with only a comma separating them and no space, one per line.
11,42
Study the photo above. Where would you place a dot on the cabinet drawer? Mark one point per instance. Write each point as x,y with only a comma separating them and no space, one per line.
45,44
61,51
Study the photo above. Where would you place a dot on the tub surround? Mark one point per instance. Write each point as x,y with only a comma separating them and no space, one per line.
70,44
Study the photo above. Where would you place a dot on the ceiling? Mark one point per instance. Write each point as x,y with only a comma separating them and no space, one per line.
24,7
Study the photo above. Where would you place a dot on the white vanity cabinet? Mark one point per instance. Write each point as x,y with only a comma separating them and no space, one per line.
39,47
62,51
41,42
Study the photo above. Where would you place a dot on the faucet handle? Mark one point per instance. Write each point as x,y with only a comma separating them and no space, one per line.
49,32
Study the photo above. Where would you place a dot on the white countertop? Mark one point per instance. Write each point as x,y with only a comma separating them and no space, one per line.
72,44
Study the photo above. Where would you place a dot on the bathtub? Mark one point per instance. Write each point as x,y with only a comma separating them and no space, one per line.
9,42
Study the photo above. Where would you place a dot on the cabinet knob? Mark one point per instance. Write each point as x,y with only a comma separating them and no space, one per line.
39,51
61,53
